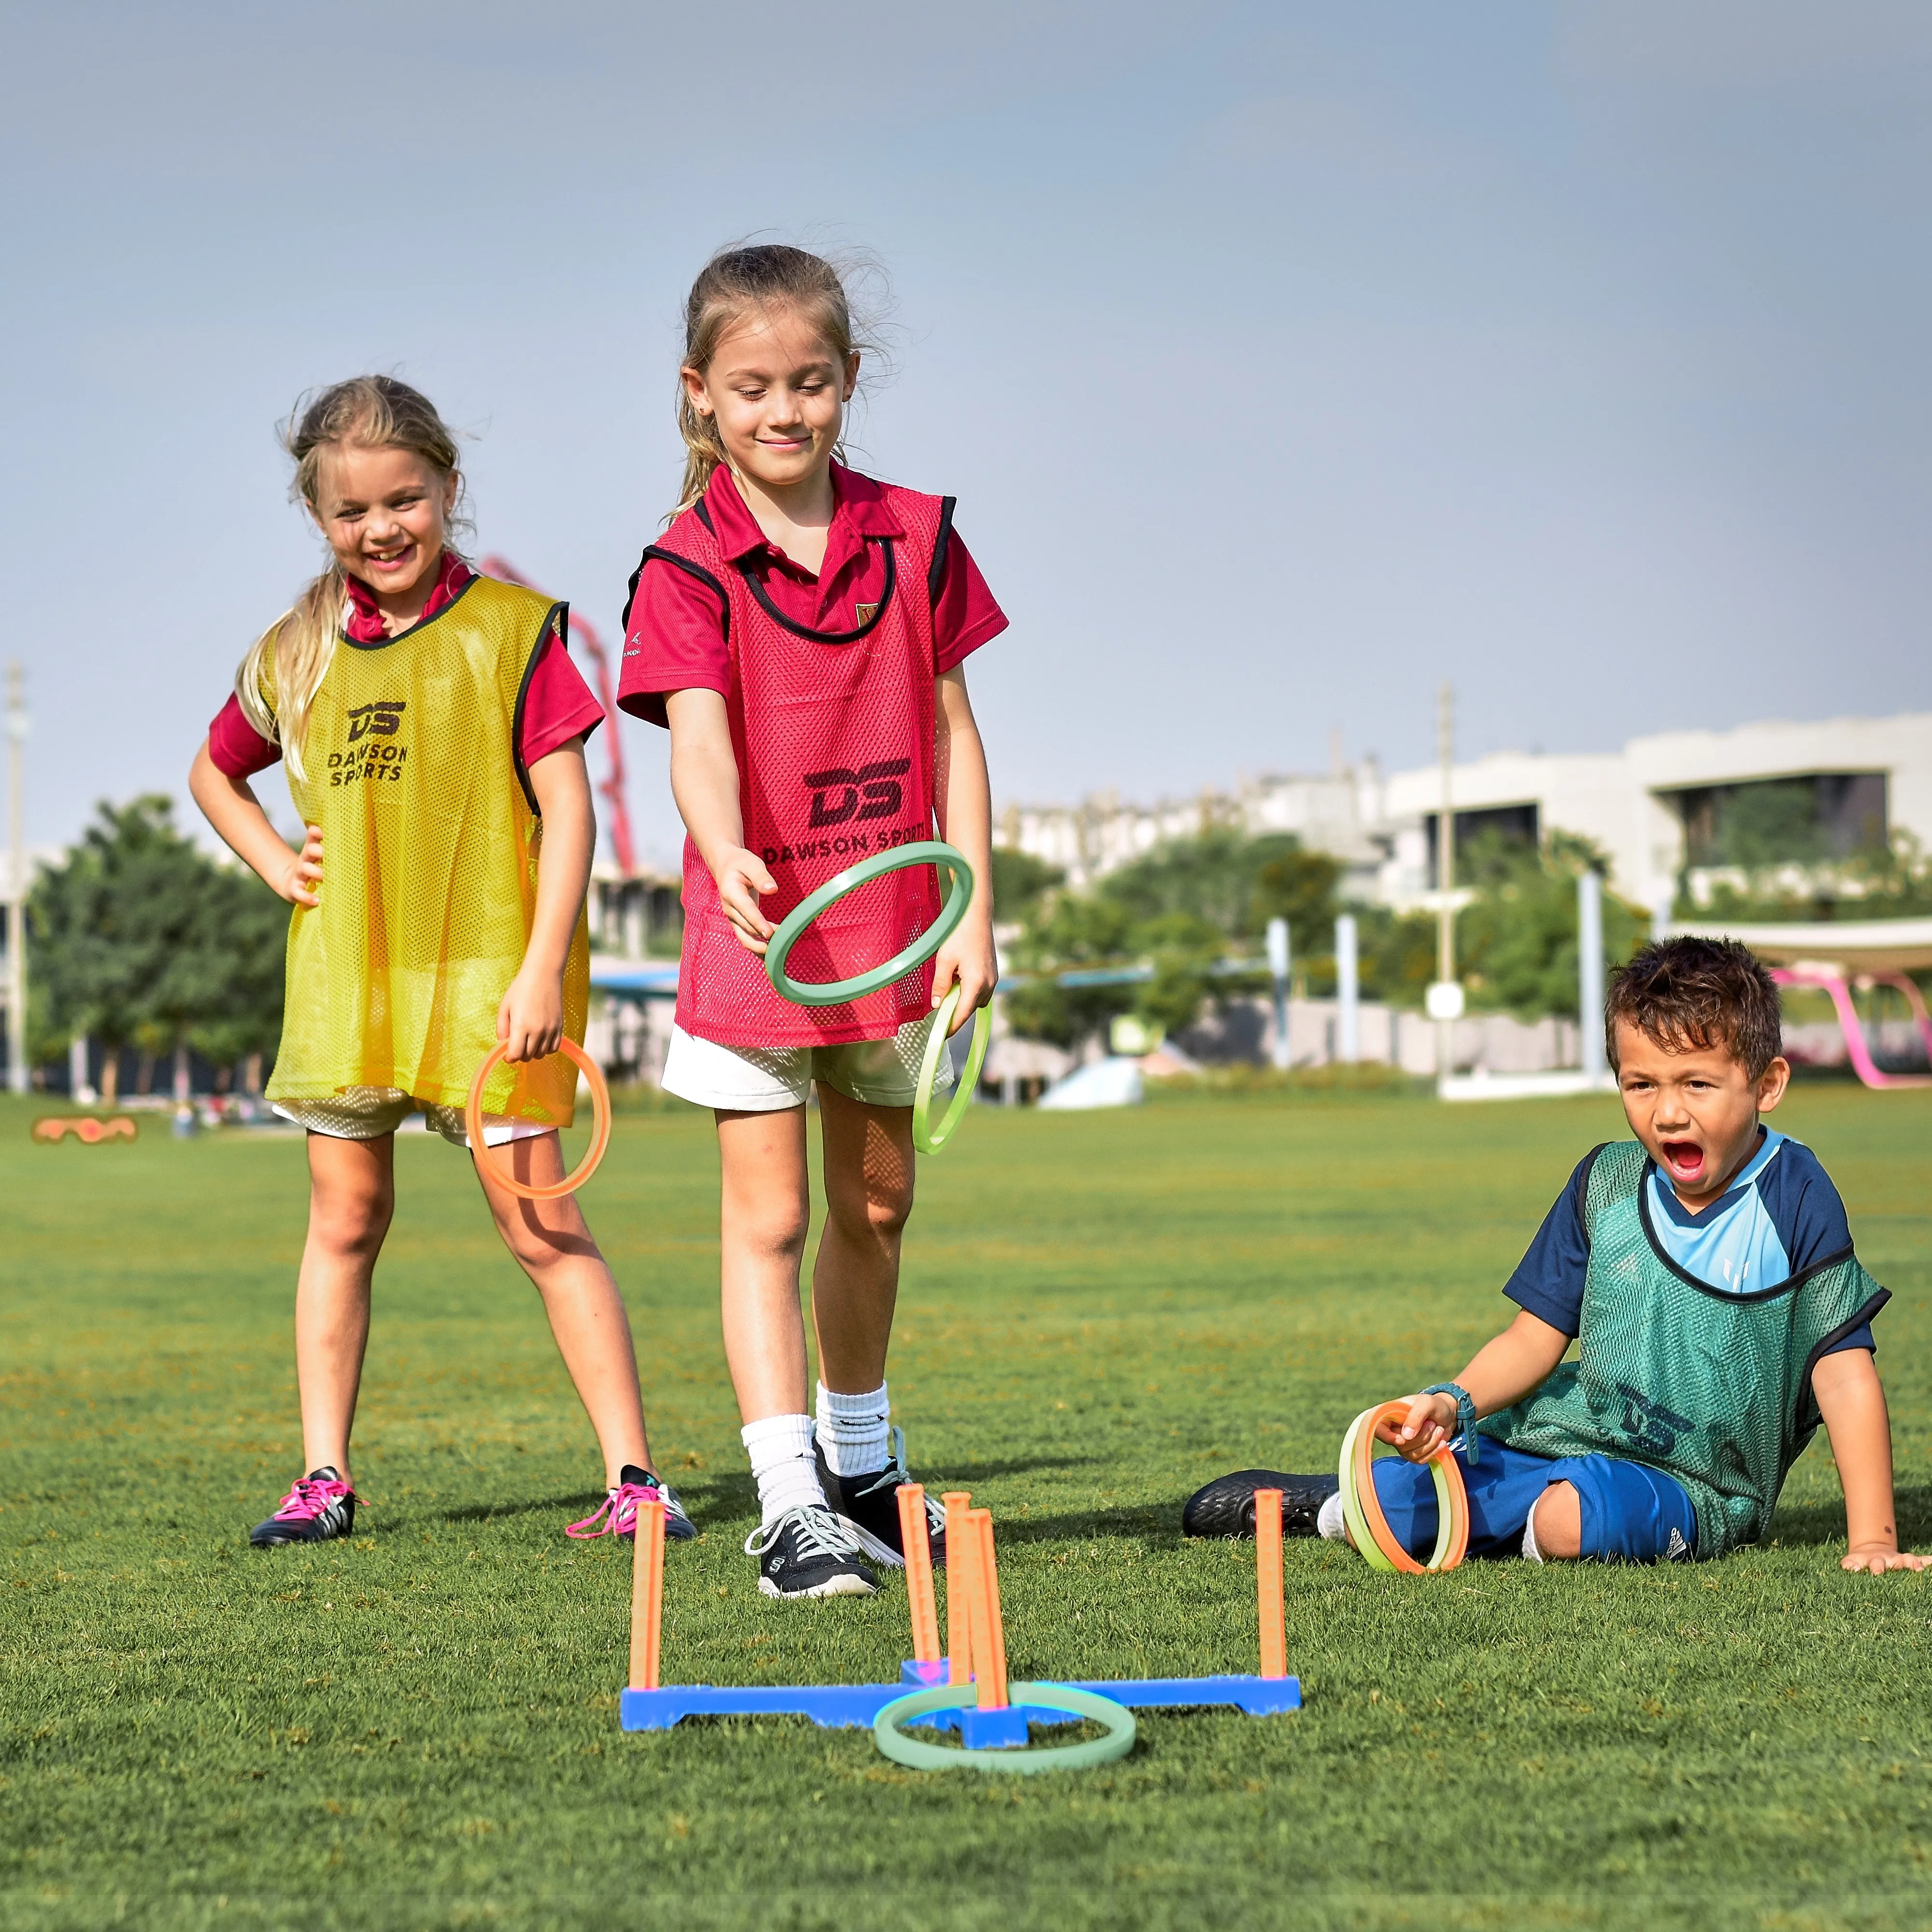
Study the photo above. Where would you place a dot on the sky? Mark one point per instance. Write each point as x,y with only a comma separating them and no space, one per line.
1285,360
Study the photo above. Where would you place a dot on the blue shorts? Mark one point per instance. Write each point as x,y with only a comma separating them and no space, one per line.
1631,1514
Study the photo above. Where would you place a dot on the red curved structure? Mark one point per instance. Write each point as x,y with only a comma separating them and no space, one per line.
611,787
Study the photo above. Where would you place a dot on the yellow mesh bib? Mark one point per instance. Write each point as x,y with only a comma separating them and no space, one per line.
430,845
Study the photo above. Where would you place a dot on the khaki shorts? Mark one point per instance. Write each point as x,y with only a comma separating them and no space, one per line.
367,1113
763,1079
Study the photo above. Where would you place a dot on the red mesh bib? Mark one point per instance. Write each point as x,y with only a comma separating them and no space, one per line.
834,736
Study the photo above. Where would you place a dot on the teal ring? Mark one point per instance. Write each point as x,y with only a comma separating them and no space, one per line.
836,992
910,1751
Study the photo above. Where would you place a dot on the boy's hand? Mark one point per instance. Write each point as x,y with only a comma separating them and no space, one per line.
529,1022
1425,1430
1879,1557
742,880
304,874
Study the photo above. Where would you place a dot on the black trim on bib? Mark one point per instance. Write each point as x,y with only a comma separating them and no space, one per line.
1802,1417
936,576
558,615
420,624
1789,1285
690,569
704,516
778,617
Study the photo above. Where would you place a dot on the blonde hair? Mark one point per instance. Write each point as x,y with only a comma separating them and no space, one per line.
737,282
378,412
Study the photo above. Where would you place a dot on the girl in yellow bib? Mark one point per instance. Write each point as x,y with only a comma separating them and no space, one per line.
432,727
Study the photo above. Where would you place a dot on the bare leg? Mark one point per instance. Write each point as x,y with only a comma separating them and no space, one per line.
352,1195
1558,1517
855,1280
766,1212
553,1247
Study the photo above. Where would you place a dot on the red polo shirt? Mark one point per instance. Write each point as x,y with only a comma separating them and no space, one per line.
557,707
676,641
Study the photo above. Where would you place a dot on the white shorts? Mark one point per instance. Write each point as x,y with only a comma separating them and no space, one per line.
367,1113
763,1079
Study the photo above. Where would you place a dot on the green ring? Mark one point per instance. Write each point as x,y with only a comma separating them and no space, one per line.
903,1750
1364,1538
928,1139
836,992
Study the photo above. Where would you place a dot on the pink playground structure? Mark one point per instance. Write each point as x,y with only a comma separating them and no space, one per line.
1835,957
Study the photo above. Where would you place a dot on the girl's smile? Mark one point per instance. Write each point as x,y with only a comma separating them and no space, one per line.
384,511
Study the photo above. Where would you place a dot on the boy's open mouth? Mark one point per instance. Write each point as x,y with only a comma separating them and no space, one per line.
1684,1159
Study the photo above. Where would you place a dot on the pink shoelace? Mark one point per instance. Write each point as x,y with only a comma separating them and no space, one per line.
616,1515
311,1497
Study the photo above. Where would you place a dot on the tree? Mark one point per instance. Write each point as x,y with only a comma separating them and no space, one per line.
1180,909
1020,881
1516,941
139,938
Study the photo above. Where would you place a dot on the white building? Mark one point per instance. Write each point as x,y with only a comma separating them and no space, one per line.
1664,806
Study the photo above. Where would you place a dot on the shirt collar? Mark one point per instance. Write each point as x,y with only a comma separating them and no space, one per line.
1741,1182
362,618
859,506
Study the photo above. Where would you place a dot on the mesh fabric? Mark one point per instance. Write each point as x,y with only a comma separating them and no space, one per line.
1713,1388
834,737
430,848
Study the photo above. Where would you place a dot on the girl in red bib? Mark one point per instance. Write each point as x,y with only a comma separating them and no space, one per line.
803,629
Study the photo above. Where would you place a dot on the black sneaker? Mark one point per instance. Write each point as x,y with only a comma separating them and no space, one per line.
320,1508
868,1506
1226,1507
809,1553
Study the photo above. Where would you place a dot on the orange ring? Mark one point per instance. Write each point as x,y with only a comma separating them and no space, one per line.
600,1131
1370,1505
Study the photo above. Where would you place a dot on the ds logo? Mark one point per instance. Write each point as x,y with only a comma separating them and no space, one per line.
836,793
382,719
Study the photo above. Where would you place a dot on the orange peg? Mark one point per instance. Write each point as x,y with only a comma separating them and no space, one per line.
917,1545
959,1626
646,1594
1268,1582
989,1636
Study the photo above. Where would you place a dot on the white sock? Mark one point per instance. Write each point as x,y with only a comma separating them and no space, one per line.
1330,1521
780,1447
1529,1548
853,1431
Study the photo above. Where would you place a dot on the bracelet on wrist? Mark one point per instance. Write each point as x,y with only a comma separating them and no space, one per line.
1465,1418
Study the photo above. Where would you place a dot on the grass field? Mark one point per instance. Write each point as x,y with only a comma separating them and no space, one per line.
1101,1312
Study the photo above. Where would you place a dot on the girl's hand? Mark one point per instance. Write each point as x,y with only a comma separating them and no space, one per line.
529,1022
303,873
969,957
1424,1431
1879,1557
742,880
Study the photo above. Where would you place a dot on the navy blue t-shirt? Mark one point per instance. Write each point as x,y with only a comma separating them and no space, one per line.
1780,1216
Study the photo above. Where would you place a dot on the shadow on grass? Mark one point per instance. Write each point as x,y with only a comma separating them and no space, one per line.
1802,1525
579,1500
1161,1520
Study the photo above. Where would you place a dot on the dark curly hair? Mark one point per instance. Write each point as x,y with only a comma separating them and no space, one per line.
1689,993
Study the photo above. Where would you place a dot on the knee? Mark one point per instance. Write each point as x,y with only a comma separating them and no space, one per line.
352,1221
774,1229
1558,1519
877,1210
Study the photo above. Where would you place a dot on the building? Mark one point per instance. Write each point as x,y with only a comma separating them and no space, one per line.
1689,807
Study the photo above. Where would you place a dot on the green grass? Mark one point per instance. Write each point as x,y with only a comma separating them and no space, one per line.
1100,1312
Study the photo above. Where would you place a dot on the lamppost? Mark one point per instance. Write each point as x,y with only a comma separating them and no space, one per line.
16,881
1444,998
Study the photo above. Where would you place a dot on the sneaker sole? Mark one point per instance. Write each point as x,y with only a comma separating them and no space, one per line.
839,1586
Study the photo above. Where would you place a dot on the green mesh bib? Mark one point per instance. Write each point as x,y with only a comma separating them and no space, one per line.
1713,1388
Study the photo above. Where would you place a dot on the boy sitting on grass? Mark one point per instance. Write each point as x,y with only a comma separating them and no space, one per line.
1705,1272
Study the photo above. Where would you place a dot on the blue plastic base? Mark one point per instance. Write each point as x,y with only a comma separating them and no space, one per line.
856,1705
